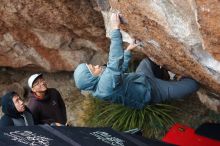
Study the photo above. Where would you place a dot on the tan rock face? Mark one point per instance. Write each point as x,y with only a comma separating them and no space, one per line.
51,36
209,20
54,36
181,36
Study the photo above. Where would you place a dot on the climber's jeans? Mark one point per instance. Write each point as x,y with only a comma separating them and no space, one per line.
167,89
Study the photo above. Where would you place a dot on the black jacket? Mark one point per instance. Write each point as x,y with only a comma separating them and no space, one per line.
48,110
11,116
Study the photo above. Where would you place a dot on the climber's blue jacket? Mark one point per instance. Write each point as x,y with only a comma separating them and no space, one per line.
129,89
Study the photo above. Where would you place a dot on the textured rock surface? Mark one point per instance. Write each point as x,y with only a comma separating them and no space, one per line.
211,100
181,36
50,35
57,35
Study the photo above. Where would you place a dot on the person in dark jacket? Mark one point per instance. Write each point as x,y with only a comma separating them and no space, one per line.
134,90
15,112
46,104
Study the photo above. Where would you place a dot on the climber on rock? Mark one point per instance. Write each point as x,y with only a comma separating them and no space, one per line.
134,90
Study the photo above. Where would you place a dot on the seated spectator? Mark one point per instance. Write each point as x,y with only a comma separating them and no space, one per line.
46,104
15,111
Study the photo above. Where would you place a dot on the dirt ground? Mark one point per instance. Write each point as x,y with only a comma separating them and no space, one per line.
192,113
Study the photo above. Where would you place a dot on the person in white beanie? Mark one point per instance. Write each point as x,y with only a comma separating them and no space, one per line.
46,104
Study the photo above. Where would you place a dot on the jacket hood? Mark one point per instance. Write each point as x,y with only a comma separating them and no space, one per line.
8,106
84,80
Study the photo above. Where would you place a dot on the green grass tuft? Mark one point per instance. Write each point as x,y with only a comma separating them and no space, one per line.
153,120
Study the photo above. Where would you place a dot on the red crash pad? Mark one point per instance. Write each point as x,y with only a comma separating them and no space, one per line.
185,136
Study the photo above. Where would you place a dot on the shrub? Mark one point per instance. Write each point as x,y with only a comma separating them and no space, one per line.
153,120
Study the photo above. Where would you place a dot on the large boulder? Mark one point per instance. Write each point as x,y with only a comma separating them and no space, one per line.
179,35
57,35
50,35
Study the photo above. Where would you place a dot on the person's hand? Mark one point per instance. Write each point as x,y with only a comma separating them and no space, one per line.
132,45
115,20
59,124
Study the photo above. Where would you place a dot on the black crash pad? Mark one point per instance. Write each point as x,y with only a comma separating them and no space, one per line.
210,130
70,136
